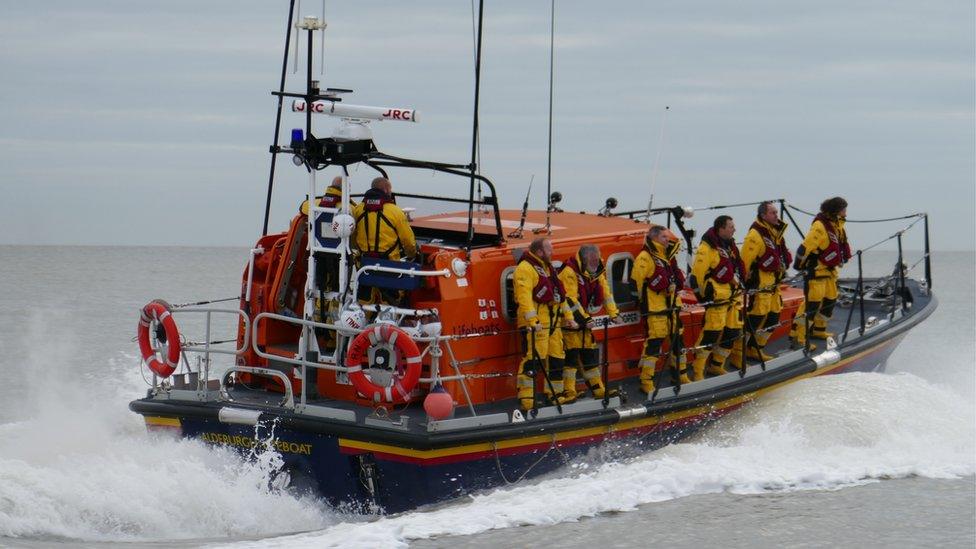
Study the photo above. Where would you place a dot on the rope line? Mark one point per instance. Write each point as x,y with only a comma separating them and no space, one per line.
811,214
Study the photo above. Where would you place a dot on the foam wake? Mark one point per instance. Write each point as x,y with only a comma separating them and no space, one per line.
83,467
822,433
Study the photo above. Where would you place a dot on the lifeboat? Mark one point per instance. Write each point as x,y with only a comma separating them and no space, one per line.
401,405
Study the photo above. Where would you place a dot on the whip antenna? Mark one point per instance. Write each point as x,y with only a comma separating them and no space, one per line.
482,207
657,161
552,52
322,45
474,129
517,233
298,37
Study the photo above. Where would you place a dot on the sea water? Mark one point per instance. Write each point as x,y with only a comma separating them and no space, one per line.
858,459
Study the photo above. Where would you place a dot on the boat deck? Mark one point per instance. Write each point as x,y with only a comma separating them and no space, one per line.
411,418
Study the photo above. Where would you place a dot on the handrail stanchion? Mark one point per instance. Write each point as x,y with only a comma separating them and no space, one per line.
860,293
860,290
928,256
901,275
206,356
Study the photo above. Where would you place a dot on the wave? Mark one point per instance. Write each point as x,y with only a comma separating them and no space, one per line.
821,433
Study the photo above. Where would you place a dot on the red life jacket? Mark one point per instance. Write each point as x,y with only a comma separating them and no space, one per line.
549,289
730,263
591,295
330,200
836,251
665,272
776,257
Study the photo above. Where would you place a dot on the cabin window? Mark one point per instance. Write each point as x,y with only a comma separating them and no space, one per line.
509,307
618,267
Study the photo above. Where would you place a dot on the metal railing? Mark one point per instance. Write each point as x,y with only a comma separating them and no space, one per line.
433,349
898,275
208,346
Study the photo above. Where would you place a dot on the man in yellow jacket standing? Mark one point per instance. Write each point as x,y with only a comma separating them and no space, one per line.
716,278
382,229
823,252
766,259
541,311
658,280
584,278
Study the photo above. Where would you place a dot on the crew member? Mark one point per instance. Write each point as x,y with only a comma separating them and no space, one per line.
539,296
587,293
823,252
382,232
658,280
766,258
716,277
328,263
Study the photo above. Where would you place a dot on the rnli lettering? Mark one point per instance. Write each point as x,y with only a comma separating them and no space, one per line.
282,446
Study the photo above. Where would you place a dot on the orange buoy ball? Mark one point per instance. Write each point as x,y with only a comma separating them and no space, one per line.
439,404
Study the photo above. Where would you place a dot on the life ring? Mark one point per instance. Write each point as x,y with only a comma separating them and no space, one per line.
404,379
159,312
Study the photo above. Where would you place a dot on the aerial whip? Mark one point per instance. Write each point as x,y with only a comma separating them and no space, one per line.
552,49
517,233
657,161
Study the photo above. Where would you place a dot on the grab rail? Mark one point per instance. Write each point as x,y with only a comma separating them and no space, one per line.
354,283
901,270
206,349
289,399
301,322
342,369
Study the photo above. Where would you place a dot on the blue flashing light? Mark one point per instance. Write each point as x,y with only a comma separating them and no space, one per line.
297,138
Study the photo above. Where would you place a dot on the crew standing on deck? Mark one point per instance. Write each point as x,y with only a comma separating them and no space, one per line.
716,278
587,293
659,280
766,259
541,311
823,252
382,232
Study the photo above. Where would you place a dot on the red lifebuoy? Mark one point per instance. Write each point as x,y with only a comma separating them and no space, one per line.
159,311
403,379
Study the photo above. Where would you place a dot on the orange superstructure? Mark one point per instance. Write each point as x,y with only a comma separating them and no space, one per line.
477,308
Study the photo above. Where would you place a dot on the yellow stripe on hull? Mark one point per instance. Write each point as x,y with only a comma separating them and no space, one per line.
156,421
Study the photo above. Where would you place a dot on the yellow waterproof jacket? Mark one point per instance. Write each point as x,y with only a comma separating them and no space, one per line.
653,273
755,248
384,232
575,279
711,277
528,272
817,242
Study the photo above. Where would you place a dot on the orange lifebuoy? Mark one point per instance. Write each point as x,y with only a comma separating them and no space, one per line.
159,312
403,379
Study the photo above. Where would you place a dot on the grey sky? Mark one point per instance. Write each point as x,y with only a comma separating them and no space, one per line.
148,123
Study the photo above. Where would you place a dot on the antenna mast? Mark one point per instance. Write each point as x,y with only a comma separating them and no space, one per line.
552,52
474,131
281,90
657,161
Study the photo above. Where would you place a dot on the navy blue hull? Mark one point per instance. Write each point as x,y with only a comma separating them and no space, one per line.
372,481
362,471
